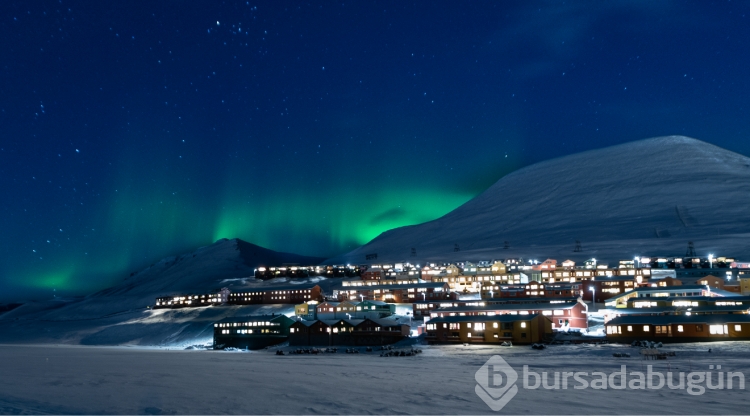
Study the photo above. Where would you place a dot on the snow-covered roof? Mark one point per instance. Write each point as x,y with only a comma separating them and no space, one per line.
640,311
374,302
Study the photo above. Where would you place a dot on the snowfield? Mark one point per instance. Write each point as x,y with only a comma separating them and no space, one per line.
128,380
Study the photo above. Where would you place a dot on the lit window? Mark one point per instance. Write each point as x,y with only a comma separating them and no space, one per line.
680,328
523,324
738,328
630,328
718,329
645,328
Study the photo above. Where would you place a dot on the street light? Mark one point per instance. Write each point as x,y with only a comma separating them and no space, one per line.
424,297
592,288
710,261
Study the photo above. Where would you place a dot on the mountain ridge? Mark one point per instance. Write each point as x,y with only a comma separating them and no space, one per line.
654,189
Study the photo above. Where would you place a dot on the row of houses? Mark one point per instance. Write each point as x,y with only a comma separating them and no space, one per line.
396,292
372,309
403,292
355,332
260,331
564,314
414,292
486,329
297,271
602,288
494,267
679,328
595,281
290,294
679,313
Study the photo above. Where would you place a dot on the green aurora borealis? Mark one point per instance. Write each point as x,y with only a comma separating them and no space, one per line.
136,131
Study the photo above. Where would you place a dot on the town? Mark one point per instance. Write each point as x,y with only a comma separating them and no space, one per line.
504,302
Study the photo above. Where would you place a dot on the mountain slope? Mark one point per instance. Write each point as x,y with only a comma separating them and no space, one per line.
121,314
656,193
203,269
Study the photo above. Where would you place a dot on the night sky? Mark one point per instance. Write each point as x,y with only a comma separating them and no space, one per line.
135,130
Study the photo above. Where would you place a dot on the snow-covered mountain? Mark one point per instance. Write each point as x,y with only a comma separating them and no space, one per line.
121,314
648,197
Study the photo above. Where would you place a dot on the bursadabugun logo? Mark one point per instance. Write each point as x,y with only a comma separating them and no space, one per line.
496,383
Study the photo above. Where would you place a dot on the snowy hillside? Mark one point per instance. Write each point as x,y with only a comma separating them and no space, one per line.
647,197
121,314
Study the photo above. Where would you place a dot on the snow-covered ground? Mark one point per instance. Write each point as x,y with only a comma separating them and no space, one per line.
128,380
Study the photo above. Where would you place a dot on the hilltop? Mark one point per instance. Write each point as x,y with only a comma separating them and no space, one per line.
647,197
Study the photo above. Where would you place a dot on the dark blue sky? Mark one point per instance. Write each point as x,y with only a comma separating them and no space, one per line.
138,130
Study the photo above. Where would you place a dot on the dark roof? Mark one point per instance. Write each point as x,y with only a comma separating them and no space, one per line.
484,318
332,322
252,318
681,319
696,278
386,322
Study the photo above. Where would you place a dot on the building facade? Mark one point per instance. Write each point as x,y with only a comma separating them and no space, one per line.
518,329
251,332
